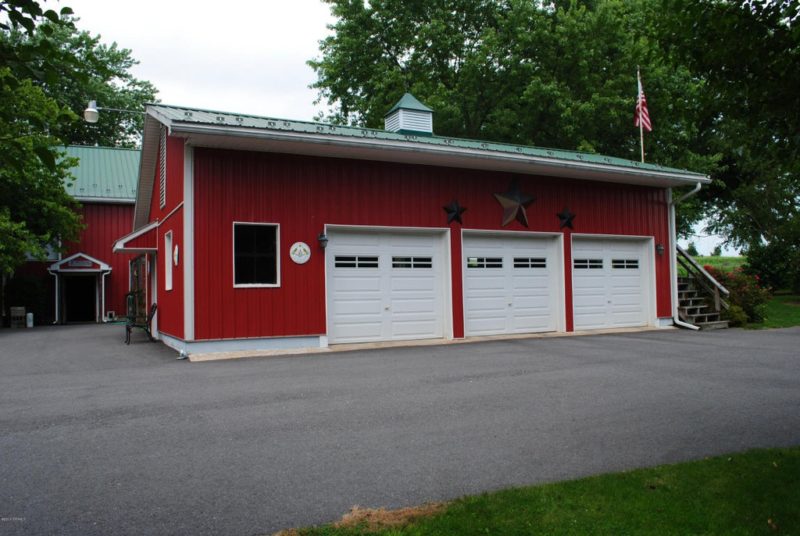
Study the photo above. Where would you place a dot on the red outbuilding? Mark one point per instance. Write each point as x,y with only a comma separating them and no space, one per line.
87,283
264,233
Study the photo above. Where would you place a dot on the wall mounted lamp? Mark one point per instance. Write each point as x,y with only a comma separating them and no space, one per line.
323,240
660,249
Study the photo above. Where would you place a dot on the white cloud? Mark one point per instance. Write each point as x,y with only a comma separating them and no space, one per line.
236,56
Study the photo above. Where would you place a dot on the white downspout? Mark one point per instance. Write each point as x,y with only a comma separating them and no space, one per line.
673,238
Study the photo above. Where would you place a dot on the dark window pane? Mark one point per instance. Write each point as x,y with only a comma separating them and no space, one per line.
255,254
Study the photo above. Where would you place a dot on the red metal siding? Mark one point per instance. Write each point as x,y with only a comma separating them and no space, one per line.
174,181
303,194
170,302
104,224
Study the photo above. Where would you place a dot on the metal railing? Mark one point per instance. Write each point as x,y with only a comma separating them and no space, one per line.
706,281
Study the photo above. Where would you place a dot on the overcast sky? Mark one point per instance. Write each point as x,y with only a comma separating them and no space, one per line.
234,56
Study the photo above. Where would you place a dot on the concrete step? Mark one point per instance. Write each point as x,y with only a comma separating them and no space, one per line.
692,301
703,317
716,324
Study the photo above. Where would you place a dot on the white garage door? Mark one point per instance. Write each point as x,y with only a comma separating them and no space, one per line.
512,284
611,281
385,286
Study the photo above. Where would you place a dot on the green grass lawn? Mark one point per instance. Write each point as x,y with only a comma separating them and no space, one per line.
725,264
756,492
783,311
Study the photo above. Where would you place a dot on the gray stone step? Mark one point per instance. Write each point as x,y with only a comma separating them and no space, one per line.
703,317
716,324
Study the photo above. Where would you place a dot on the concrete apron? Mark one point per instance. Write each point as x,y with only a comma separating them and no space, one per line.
354,347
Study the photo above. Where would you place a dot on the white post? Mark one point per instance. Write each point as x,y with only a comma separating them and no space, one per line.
639,110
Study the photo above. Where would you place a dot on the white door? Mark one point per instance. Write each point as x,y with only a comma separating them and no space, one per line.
385,286
611,282
512,284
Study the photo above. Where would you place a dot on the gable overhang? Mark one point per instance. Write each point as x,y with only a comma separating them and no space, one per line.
79,263
143,240
222,136
147,169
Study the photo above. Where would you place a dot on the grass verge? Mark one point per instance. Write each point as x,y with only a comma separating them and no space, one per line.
724,264
782,311
755,492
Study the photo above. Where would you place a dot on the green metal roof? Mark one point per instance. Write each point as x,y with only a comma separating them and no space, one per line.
104,173
409,102
182,116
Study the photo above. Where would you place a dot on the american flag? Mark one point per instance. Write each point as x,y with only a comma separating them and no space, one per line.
641,116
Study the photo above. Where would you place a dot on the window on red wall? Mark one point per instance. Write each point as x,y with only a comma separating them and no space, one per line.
255,254
168,261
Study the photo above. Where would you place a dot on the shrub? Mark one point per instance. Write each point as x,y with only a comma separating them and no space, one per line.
736,316
746,290
776,264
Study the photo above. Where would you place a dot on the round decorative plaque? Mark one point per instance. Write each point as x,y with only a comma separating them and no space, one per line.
300,252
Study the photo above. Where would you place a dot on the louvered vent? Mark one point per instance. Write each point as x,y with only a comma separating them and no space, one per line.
162,168
409,116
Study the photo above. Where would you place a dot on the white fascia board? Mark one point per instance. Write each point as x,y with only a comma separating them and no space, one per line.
119,244
147,169
411,152
55,267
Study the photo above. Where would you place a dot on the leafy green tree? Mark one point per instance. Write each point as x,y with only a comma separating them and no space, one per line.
103,75
747,53
35,211
48,72
559,74
514,71
691,249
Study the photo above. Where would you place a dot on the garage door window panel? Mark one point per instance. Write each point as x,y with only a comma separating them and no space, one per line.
625,264
355,261
484,262
588,264
412,262
530,262
255,255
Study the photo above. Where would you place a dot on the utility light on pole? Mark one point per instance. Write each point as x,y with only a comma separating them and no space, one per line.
92,112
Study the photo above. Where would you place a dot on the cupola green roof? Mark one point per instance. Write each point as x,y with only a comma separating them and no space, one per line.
409,102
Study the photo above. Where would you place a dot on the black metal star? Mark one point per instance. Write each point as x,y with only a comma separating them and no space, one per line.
454,212
514,204
566,218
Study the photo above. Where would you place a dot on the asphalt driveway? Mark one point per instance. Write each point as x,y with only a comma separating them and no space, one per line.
98,438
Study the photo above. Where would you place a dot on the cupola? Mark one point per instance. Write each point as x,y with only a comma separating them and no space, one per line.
409,116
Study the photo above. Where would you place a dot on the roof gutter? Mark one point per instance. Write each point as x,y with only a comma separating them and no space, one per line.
673,237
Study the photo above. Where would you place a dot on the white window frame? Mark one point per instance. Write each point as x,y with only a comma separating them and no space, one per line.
277,283
168,260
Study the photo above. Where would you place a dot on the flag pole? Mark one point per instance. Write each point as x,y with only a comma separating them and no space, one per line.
639,103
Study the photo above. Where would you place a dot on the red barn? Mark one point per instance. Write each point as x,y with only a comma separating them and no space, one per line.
265,233
88,283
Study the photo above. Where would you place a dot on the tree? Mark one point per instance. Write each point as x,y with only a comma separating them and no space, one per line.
104,76
35,210
691,249
555,75
513,70
747,53
48,70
